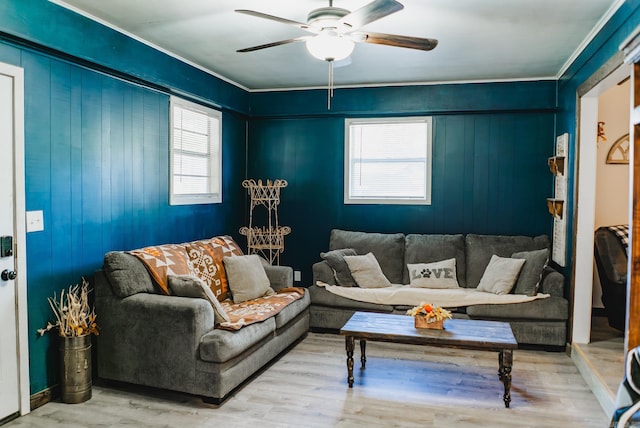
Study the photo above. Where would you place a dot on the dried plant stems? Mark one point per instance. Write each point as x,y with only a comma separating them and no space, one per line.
74,316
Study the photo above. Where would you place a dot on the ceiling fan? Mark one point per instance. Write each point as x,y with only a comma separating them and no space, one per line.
336,30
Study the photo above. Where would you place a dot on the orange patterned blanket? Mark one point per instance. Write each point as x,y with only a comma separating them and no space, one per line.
259,309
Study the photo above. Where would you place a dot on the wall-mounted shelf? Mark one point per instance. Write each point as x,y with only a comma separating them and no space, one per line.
559,165
556,207
556,165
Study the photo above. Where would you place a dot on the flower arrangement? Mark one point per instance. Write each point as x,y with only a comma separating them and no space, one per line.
427,315
74,316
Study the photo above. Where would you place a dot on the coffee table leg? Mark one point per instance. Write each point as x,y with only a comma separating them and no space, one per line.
349,344
363,356
505,358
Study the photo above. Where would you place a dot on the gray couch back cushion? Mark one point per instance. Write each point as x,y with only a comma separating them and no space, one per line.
435,248
480,248
387,247
126,274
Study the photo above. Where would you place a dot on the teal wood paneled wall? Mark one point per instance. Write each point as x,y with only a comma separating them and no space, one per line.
489,169
52,26
603,47
96,155
404,100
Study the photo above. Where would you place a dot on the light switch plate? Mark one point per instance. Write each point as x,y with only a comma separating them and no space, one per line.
297,276
35,221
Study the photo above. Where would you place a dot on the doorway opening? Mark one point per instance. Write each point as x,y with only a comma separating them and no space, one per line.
602,199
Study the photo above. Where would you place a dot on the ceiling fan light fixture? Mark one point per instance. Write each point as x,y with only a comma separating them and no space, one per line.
329,47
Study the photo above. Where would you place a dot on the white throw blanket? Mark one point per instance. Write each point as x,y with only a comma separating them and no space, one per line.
399,294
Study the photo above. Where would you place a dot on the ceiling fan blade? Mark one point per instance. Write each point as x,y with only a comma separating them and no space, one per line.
371,12
399,41
270,45
297,24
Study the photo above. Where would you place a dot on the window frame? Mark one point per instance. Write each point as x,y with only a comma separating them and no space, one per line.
215,167
350,200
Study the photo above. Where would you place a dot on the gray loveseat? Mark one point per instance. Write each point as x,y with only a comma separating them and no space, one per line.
539,322
170,342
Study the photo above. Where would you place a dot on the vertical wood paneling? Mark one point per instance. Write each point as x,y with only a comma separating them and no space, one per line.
61,220
467,172
489,171
97,165
478,203
91,167
114,148
108,96
77,227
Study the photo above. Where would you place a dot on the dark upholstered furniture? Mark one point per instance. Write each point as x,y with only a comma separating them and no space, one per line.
611,263
627,412
170,342
539,322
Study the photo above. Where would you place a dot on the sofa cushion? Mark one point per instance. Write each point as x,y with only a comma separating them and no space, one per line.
192,286
341,272
387,247
480,248
500,275
321,297
126,274
433,248
440,274
366,271
247,278
549,309
292,310
531,274
219,346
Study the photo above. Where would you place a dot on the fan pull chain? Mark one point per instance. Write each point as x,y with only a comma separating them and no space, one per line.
330,88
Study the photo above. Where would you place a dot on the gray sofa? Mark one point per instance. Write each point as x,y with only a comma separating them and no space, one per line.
539,322
170,342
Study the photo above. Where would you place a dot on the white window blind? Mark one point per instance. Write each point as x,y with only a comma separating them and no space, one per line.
388,161
196,167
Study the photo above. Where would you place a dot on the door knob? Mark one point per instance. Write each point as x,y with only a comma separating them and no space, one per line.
8,275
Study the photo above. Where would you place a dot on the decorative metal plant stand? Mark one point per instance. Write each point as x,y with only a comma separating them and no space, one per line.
267,241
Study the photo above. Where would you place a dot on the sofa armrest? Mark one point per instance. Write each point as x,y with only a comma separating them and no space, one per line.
279,276
552,282
323,272
151,339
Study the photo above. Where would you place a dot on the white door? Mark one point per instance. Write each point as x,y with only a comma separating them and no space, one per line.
9,385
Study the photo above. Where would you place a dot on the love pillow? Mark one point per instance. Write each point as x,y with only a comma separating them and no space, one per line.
440,274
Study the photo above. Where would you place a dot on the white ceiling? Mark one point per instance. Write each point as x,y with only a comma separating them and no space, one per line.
479,40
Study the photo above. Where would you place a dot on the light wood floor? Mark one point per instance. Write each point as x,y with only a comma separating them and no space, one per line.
601,362
403,385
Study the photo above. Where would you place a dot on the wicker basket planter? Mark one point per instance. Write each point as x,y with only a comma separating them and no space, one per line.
422,321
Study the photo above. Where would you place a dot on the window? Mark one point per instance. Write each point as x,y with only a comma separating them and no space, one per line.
195,154
388,161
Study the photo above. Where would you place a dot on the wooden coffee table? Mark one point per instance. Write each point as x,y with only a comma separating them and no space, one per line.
464,334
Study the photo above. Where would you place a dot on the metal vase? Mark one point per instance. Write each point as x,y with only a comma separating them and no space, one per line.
75,368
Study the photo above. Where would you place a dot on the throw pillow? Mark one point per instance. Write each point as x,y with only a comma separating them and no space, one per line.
341,271
500,275
205,258
247,278
366,271
192,286
531,275
440,274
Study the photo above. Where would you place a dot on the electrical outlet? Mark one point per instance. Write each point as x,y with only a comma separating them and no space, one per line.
297,276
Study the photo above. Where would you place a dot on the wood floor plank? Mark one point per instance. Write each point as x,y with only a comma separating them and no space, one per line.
402,386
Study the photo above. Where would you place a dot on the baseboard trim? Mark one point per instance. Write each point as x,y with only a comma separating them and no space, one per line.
43,397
